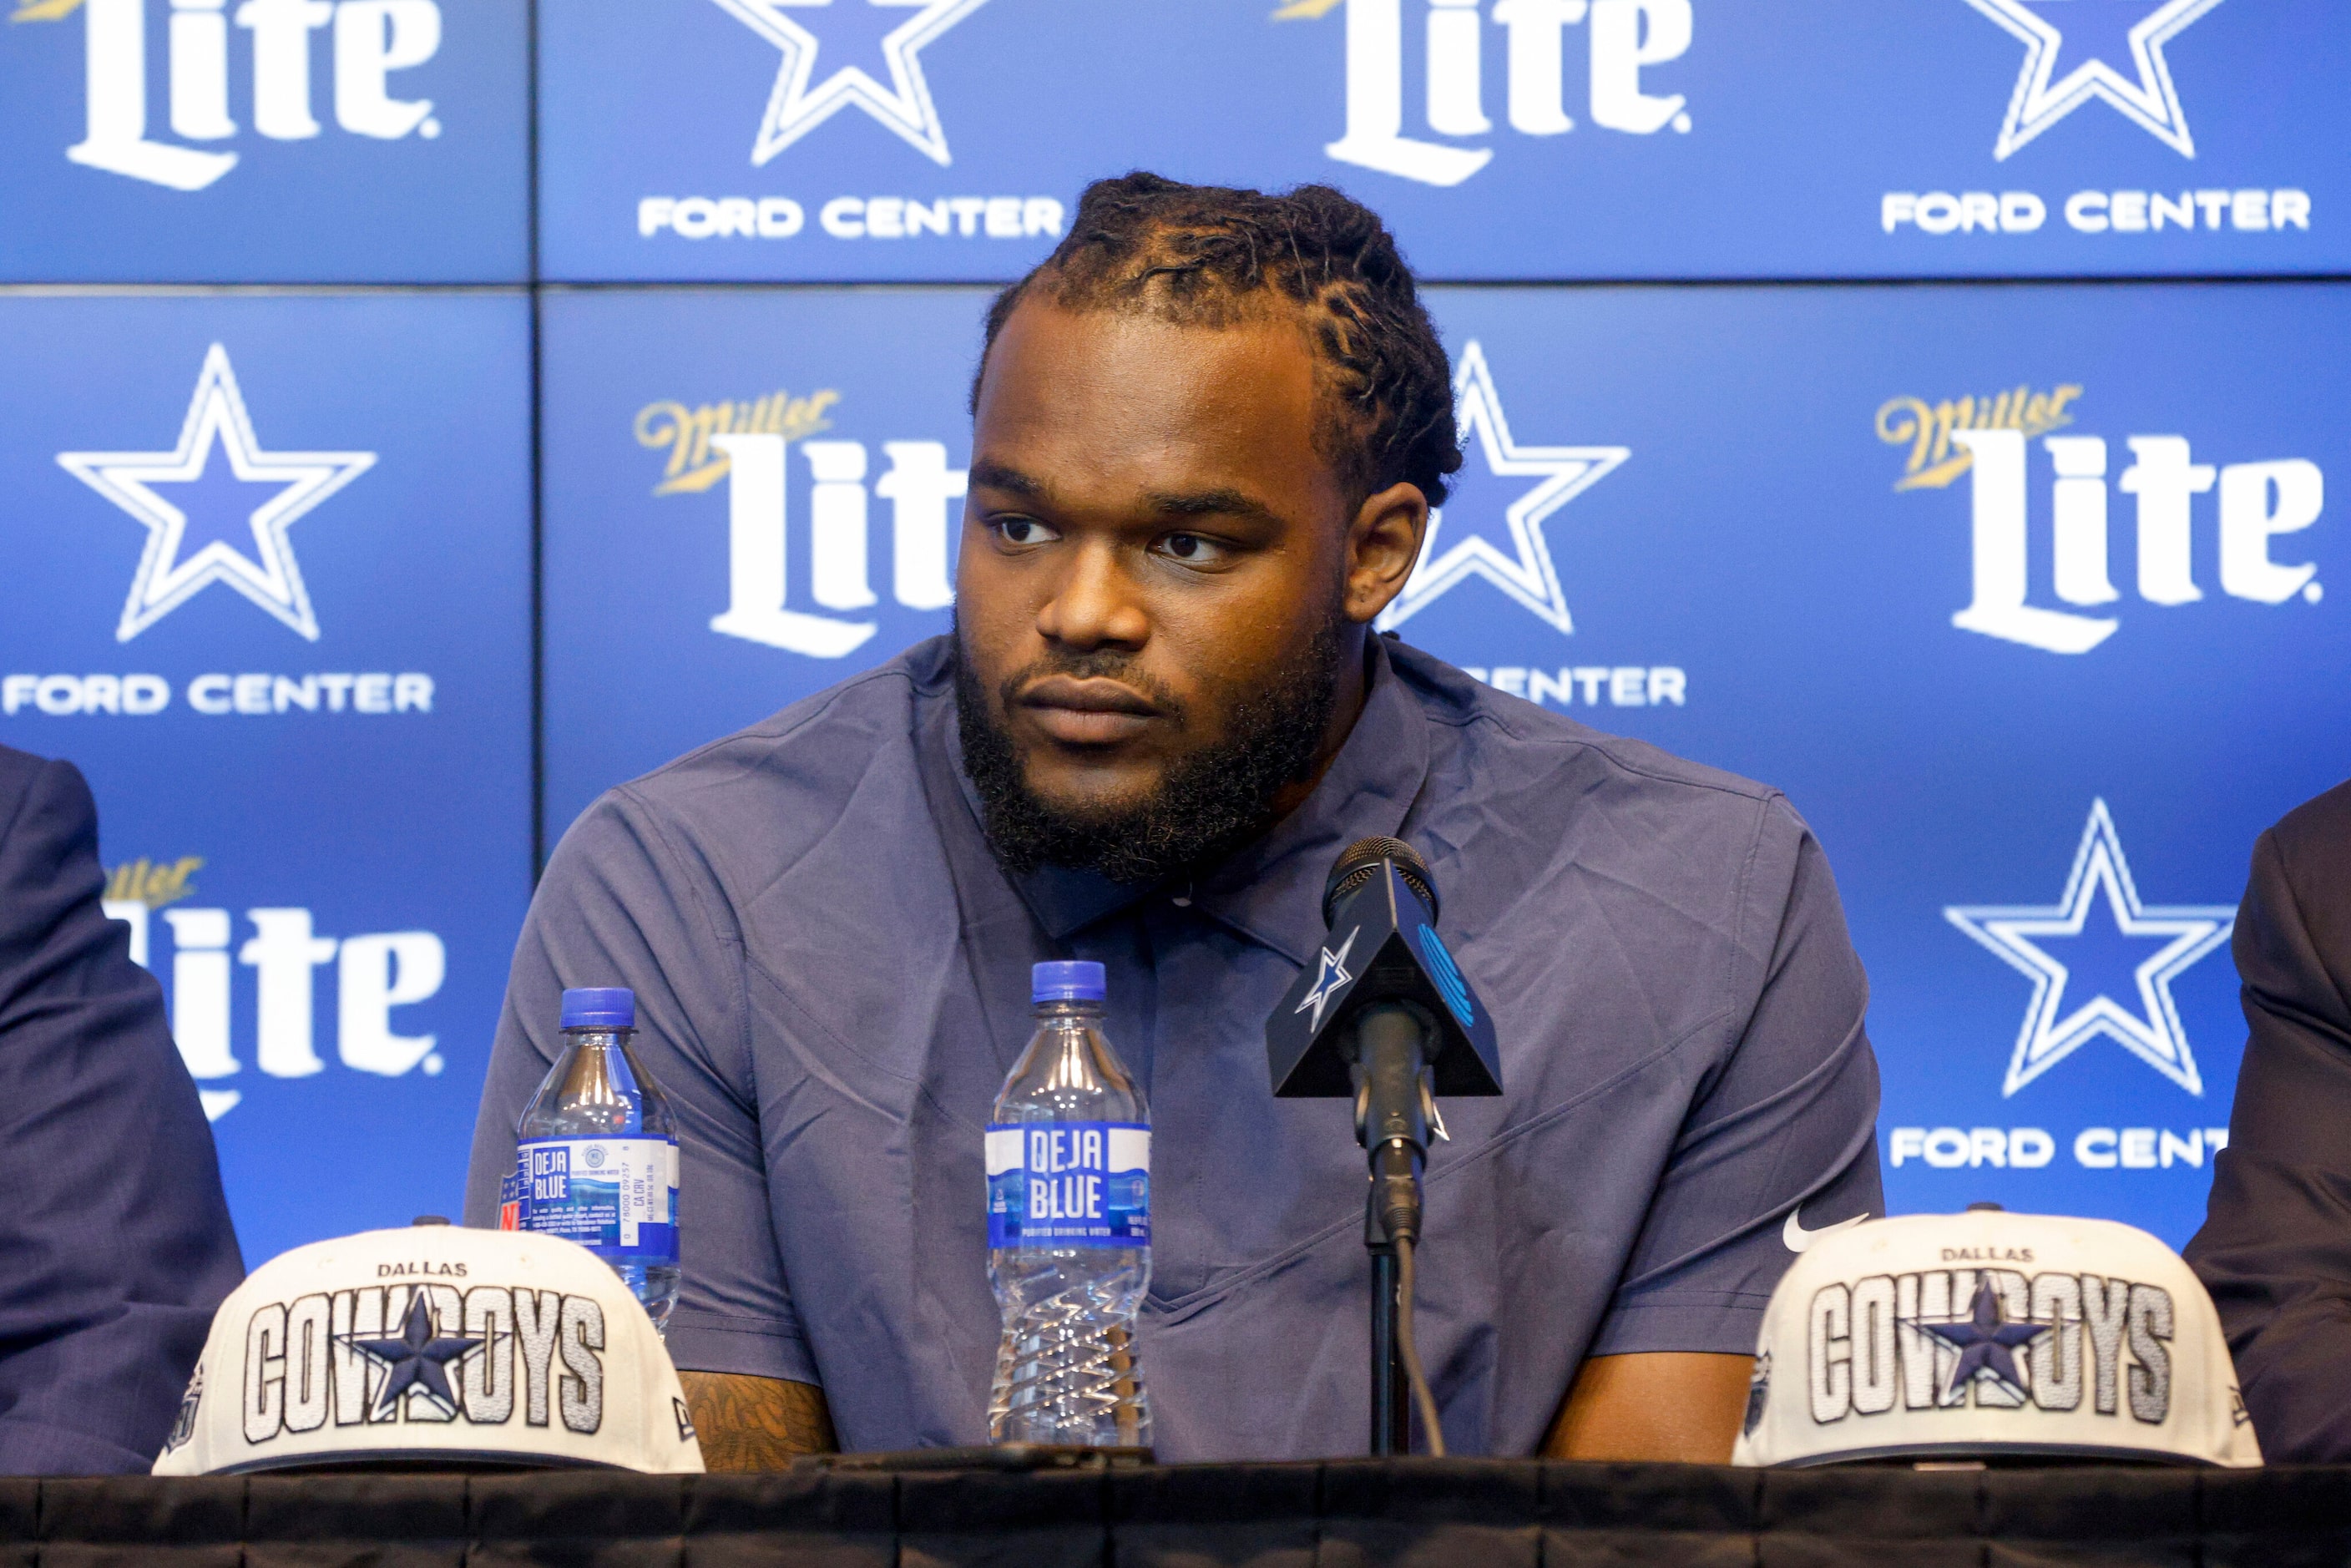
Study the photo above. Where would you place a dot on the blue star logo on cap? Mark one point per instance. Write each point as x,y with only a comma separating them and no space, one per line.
1987,1341
419,1359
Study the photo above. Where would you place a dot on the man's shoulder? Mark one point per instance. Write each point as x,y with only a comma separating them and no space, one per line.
814,742
17,771
1509,741
41,783
2314,839
2311,849
755,798
1563,815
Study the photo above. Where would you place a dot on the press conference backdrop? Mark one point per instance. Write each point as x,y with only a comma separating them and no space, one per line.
269,586
2024,591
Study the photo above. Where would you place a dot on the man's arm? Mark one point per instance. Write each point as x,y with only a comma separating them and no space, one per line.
620,905
757,1423
1784,1125
2275,1248
1678,1405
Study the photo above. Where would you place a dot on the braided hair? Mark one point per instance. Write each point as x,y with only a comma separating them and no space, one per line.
1208,255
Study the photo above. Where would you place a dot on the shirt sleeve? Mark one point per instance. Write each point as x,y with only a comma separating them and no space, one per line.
627,902
2276,1248
115,1246
1781,1139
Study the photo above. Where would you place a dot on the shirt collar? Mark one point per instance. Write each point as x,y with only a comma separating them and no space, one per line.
1271,891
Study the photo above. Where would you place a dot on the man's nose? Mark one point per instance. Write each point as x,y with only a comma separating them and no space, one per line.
1095,605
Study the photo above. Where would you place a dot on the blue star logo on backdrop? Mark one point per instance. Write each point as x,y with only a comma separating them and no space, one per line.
419,1358
1987,1342
1525,570
1330,979
2151,102
167,578
2054,1030
795,108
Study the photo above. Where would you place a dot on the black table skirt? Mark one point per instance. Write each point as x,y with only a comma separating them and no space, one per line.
1333,1515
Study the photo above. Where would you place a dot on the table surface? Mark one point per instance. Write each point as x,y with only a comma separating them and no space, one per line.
1338,1513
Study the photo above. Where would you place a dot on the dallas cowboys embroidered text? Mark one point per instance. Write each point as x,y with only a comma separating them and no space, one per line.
422,1352
1938,1340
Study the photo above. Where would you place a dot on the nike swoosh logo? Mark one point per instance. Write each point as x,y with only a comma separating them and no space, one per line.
1799,1239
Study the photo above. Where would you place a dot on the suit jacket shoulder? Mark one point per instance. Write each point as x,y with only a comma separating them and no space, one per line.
2308,896
117,1235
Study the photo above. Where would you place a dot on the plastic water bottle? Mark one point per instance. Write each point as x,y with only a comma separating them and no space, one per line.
596,1155
1069,1228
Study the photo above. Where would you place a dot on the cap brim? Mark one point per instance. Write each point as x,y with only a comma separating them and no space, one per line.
396,1459
1991,1451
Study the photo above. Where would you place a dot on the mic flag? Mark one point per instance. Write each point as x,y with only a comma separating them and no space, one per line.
1382,947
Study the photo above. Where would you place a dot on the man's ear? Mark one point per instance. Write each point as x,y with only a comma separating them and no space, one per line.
1383,544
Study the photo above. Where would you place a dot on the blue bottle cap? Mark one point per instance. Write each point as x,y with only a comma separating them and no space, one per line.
1066,980
599,1006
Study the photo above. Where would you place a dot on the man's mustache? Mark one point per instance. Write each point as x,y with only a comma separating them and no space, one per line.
1124,668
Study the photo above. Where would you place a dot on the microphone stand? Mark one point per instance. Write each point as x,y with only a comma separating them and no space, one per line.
1391,1404
1392,1117
1406,1028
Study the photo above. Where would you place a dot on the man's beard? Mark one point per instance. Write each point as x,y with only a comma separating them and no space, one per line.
1208,804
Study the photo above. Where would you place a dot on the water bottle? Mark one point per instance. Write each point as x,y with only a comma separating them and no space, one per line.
596,1153
1069,1228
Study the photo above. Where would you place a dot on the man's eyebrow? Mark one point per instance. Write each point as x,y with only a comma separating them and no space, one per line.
997,477
1217,503
1221,502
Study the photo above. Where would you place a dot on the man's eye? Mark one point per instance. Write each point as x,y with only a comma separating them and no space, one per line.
1192,549
1024,531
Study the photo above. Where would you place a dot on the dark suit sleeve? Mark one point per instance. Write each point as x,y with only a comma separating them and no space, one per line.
115,1241
2275,1248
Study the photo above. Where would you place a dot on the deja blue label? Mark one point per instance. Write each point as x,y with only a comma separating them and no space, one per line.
1069,1184
616,1197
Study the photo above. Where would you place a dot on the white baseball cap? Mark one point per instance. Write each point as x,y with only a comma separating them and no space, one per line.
433,1346
1986,1333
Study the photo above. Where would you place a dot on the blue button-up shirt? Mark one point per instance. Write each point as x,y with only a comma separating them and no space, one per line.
831,975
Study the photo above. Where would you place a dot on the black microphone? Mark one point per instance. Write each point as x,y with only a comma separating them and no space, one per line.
1382,954
1387,1018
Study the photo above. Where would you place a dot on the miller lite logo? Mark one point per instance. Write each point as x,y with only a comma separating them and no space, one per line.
772,470
375,975
1993,441
1622,39
373,43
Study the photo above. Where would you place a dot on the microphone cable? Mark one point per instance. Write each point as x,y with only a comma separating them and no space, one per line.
1409,1349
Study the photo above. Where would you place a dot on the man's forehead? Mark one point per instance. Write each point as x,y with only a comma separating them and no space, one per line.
1052,358
1082,399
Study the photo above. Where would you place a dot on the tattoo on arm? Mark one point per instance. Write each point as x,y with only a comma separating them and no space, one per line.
757,1423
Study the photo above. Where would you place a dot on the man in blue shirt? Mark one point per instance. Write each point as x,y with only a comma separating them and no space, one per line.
1207,435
